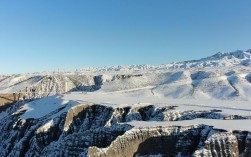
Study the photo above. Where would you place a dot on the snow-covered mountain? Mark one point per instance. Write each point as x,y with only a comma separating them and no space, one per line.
191,108
221,76
218,60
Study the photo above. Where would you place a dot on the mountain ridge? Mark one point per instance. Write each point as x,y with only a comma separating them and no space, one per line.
237,57
220,59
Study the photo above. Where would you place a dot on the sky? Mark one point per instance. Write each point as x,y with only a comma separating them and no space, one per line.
47,35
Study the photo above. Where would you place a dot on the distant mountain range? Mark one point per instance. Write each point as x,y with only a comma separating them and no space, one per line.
218,60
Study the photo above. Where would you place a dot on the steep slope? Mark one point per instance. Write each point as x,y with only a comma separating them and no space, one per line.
35,86
222,83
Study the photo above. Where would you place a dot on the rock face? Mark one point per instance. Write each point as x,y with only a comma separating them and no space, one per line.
172,141
98,130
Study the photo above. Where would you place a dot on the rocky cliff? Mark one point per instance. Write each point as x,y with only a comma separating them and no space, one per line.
187,141
99,130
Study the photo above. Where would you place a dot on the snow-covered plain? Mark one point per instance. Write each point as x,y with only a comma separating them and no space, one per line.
230,125
44,106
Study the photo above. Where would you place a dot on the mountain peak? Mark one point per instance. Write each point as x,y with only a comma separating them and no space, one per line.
249,51
219,59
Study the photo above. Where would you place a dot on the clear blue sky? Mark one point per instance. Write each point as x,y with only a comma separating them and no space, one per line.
38,35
